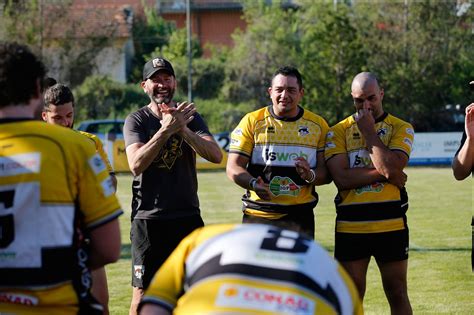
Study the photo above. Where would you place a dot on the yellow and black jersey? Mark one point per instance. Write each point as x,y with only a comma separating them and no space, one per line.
99,146
272,144
381,206
54,189
252,269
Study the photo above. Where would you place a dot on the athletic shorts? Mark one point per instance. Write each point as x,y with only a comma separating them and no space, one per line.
385,247
153,241
302,222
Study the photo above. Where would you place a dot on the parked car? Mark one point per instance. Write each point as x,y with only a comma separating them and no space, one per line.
110,131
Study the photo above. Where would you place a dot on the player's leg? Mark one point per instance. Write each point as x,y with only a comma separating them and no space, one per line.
137,294
162,237
353,251
392,259
357,269
394,279
140,246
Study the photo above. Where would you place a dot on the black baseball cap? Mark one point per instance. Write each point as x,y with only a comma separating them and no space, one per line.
157,64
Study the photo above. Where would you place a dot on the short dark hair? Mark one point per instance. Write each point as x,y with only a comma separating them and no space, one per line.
49,82
20,71
290,71
57,94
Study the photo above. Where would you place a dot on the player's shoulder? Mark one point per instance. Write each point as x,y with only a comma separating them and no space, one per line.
345,123
312,116
258,114
393,120
139,114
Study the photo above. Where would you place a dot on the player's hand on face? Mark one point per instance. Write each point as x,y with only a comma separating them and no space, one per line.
262,189
365,120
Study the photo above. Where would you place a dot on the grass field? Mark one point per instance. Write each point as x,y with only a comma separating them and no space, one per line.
440,280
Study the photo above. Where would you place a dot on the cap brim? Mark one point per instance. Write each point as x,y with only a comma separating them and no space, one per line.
158,70
471,83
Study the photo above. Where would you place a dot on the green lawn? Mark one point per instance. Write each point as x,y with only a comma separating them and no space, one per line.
439,273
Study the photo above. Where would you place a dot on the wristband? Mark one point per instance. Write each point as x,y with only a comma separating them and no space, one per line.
252,183
312,178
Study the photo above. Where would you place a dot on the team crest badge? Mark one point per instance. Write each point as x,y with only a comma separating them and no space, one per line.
303,131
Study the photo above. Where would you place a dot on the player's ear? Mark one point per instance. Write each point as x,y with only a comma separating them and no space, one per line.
44,115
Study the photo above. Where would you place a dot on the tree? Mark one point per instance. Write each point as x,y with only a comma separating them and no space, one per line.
272,39
331,56
100,97
150,33
68,39
424,55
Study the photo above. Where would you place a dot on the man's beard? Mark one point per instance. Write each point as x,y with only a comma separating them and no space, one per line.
159,99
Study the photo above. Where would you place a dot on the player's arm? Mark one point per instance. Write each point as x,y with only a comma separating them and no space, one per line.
236,170
105,244
388,163
322,172
204,145
319,176
140,155
463,161
349,178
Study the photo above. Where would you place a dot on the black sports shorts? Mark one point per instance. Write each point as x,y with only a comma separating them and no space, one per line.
153,241
385,247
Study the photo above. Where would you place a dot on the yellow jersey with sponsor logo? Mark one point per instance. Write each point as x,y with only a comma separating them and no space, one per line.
99,146
381,206
272,144
252,269
54,189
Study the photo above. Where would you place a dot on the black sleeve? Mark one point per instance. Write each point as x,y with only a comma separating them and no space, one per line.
198,125
134,130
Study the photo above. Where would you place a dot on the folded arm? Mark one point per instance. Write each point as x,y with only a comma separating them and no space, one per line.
237,172
349,178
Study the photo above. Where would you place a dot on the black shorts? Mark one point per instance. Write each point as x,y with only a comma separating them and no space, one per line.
385,247
153,241
302,222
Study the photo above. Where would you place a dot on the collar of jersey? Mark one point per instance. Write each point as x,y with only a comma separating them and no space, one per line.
298,116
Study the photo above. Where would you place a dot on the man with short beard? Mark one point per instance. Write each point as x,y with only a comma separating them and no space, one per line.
366,154
162,139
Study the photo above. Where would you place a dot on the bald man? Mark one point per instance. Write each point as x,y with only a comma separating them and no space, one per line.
366,154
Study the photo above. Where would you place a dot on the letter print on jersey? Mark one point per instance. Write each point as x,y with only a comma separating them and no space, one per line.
19,203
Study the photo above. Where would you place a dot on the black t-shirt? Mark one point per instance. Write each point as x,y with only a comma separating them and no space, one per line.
167,189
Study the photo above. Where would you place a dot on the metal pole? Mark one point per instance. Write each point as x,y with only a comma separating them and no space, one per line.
190,57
